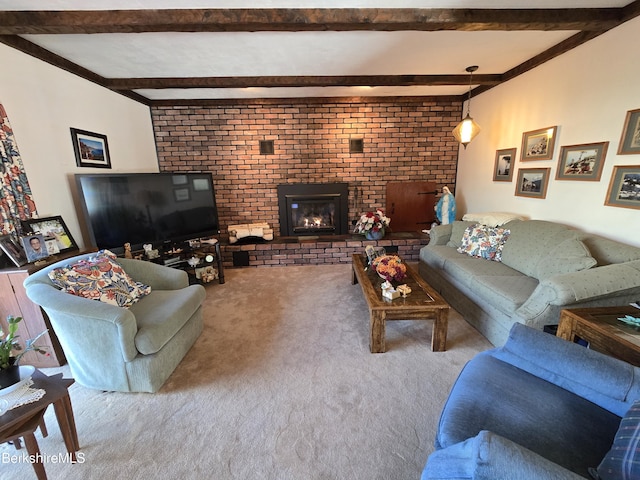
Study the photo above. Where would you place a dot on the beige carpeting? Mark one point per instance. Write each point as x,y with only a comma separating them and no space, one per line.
280,385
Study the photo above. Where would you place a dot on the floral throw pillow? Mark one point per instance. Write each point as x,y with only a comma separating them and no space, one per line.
100,277
484,242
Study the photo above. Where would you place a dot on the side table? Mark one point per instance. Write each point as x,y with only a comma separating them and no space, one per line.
26,418
601,328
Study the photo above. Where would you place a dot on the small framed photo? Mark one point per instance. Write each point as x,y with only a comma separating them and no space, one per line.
630,140
624,187
13,250
56,234
35,246
181,194
538,144
532,182
503,168
582,162
91,149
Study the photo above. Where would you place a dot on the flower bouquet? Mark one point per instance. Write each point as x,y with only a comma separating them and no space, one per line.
372,223
390,268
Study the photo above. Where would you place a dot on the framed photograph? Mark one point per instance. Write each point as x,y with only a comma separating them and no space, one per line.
630,140
179,179
201,184
582,162
91,149
503,168
538,144
35,246
532,182
13,250
624,187
55,233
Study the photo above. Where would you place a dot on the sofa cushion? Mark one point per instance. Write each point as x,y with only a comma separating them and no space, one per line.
607,252
506,293
531,242
569,256
484,242
562,427
623,460
162,314
457,231
99,277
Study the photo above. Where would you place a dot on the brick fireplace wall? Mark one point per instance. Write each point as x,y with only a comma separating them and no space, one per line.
404,139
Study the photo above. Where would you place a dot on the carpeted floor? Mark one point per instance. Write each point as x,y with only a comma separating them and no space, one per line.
280,385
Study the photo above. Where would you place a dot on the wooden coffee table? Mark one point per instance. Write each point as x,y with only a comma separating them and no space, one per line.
601,328
423,303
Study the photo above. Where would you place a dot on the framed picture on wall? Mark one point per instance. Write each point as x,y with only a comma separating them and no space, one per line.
503,168
624,187
538,144
582,162
532,182
630,140
55,232
91,149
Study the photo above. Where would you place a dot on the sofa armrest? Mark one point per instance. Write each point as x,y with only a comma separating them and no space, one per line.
440,234
158,277
488,456
606,381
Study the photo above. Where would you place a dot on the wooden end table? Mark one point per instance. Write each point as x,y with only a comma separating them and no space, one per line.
601,328
423,303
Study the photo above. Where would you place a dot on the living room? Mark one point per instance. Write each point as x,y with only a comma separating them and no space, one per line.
585,92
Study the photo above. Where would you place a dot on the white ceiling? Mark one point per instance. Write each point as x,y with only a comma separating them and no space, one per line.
298,53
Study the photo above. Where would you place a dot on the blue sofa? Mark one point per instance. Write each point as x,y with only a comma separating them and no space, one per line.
538,407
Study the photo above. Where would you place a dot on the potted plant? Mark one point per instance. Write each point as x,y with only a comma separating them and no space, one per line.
372,224
9,361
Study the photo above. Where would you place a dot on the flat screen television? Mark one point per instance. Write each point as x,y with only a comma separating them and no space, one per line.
139,208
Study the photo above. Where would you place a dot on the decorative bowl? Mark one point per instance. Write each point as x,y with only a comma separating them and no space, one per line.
25,375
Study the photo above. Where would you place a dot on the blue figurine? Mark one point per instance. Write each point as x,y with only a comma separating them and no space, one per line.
446,207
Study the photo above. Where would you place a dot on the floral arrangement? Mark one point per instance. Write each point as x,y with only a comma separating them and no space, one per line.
390,267
372,222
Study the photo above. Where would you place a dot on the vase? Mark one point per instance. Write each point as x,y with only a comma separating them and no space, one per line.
9,376
371,235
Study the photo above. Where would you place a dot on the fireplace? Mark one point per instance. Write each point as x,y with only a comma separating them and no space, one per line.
313,209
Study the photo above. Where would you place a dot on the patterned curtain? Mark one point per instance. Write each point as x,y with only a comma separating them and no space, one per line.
16,201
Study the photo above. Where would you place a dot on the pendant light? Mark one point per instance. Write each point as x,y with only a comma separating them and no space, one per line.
467,129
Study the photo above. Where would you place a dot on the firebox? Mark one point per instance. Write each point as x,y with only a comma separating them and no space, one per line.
313,209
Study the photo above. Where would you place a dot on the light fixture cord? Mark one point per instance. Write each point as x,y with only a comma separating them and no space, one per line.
469,104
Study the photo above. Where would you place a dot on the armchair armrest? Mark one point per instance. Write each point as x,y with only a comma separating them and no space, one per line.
158,277
606,381
488,456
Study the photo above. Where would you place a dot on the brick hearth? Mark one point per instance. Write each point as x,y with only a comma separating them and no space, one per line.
319,250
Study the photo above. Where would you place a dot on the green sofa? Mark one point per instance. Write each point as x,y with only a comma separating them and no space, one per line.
121,349
545,267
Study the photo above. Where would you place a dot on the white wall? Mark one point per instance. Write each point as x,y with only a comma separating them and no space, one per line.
586,93
42,103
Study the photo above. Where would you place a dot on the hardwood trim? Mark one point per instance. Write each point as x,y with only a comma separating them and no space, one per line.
306,19
300,81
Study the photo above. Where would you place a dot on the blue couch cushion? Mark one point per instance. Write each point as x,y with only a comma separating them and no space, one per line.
622,462
540,416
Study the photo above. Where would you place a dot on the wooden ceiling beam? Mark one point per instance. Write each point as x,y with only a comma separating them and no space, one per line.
300,81
315,19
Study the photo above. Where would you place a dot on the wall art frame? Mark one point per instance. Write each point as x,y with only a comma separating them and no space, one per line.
57,236
630,139
538,144
503,166
13,250
624,187
91,149
532,182
582,162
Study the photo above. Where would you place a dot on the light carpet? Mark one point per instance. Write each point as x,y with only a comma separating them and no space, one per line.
280,385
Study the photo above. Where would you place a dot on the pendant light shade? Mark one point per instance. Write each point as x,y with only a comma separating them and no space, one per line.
467,129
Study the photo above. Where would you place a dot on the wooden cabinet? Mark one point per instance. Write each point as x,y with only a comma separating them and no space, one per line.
14,301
